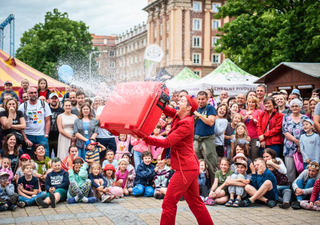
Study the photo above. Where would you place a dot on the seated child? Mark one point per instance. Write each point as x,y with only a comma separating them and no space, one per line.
28,186
144,176
219,191
99,183
68,160
25,158
154,149
236,184
131,174
122,143
56,185
93,153
303,185
161,177
203,179
241,148
80,185
122,176
109,173
8,199
314,203
110,159
6,167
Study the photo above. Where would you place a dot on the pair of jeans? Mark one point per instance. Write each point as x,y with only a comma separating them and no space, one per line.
276,148
82,152
284,192
309,184
139,189
36,140
31,201
137,159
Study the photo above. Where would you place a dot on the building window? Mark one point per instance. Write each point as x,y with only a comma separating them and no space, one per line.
196,59
111,53
120,51
161,44
197,72
140,43
196,42
135,59
112,65
215,7
197,6
132,46
120,64
167,43
215,24
215,59
161,28
145,42
155,32
215,41
196,24
140,58
131,60
124,63
136,45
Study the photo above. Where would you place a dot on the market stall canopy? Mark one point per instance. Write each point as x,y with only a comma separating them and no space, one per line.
182,79
227,77
15,71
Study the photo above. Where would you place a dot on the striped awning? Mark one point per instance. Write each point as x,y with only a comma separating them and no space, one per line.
21,71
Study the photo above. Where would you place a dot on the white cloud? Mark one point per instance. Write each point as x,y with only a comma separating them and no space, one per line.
104,17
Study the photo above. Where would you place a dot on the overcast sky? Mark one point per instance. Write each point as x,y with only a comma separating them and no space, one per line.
104,17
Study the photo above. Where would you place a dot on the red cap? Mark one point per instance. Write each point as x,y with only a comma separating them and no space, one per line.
25,156
193,102
109,167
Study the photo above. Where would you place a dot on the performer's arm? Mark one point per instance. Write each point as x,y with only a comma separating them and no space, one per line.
171,112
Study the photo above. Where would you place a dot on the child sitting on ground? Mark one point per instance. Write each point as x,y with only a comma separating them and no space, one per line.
240,148
122,143
122,175
28,186
109,173
68,160
24,158
99,183
314,203
219,191
8,199
131,174
161,177
203,180
80,185
93,153
145,174
236,184
110,159
56,185
6,167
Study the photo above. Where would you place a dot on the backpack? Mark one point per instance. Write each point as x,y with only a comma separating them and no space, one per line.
26,105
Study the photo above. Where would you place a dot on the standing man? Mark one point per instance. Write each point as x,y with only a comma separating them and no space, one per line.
184,181
175,97
80,100
54,132
183,93
223,95
204,142
73,98
37,115
261,92
241,101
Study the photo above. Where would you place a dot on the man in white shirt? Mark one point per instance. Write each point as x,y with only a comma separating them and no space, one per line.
37,115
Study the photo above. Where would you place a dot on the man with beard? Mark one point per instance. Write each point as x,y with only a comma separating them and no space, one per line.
73,98
80,95
37,115
54,132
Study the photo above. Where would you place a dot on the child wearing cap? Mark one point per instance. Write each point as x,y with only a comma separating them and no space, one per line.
24,158
93,153
309,143
109,173
237,182
8,90
80,185
8,199
28,187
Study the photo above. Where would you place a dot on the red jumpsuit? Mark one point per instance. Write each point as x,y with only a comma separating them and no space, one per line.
184,181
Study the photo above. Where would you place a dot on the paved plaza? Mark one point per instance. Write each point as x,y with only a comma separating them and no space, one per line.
132,210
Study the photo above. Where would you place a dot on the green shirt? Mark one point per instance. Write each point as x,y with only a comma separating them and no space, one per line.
222,178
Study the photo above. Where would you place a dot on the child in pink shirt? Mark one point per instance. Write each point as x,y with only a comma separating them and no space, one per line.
122,142
122,175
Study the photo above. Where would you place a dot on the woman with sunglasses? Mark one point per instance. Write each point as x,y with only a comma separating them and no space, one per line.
12,120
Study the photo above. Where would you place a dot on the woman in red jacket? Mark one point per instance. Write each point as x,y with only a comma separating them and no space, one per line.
184,161
269,127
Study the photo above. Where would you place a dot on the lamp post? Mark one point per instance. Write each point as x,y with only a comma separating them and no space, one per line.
90,61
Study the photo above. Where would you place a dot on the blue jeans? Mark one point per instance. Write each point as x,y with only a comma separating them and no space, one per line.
139,189
276,148
281,188
305,165
36,140
31,201
82,152
137,159
309,184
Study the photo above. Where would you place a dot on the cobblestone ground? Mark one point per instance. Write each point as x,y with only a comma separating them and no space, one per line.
131,210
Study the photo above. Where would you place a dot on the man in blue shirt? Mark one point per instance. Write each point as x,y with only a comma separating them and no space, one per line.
204,143
263,185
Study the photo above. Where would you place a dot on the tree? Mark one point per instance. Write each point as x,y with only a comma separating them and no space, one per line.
57,41
265,33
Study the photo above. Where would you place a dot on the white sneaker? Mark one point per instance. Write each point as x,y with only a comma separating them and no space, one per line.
106,198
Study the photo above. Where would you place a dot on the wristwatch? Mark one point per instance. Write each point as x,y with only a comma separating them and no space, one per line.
46,135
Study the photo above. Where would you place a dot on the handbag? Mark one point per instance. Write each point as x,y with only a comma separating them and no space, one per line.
298,161
19,136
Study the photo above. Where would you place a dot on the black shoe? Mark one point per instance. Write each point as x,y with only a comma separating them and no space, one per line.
296,205
21,204
13,207
182,198
285,205
14,199
42,203
53,200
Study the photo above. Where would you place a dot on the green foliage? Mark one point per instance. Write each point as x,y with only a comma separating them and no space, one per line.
57,41
265,33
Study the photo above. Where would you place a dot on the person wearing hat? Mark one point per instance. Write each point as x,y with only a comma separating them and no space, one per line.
184,181
204,134
238,181
24,158
56,110
309,143
8,198
8,90
295,94
93,154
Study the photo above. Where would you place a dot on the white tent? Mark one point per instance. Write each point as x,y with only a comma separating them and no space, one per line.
227,77
182,79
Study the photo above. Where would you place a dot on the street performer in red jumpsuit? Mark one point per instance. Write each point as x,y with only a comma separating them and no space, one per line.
184,181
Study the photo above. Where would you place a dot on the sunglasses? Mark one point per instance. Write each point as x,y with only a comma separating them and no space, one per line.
33,93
